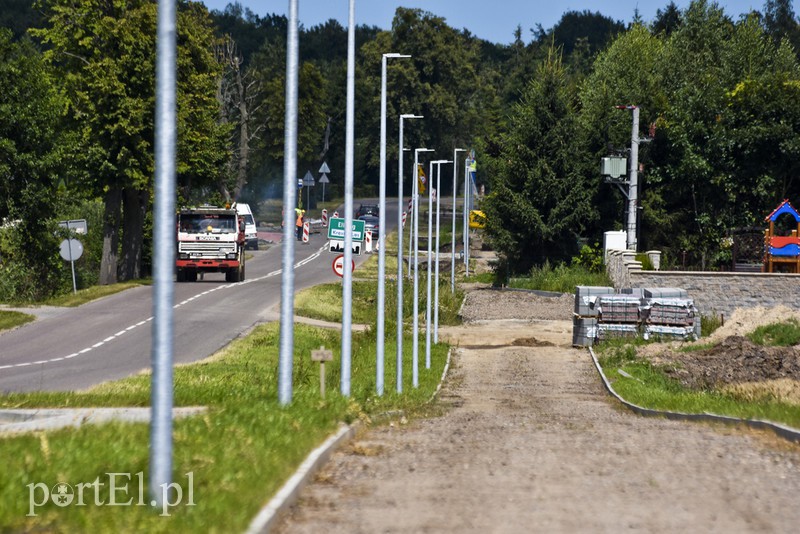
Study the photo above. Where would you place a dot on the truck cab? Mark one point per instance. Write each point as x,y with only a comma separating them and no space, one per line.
210,239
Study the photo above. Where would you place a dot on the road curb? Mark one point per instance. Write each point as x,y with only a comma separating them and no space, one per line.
783,431
289,492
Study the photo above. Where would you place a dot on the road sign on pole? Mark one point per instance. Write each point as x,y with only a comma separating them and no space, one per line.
336,229
324,169
338,265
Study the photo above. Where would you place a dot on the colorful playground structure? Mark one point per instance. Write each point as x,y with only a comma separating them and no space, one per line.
782,252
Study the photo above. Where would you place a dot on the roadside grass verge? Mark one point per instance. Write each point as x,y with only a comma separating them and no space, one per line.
238,453
648,386
13,319
89,294
324,302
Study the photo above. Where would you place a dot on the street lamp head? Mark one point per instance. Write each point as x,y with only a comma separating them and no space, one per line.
411,116
424,150
395,54
459,150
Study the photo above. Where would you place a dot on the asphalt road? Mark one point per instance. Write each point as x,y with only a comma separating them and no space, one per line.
111,338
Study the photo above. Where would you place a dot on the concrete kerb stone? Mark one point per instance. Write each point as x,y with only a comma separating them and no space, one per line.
288,494
18,421
786,432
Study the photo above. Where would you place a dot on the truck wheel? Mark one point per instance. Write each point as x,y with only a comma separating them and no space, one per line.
180,277
191,276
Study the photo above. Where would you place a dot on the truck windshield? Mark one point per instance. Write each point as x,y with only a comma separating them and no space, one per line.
215,224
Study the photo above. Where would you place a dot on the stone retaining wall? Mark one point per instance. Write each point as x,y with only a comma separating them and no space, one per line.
713,292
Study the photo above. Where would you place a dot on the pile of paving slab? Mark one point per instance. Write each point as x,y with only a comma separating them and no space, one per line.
651,313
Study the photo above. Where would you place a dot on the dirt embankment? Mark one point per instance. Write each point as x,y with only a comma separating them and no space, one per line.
734,363
528,441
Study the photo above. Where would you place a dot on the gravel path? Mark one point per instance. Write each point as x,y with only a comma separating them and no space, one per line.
529,442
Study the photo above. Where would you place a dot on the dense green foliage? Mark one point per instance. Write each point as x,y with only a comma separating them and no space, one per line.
29,167
719,98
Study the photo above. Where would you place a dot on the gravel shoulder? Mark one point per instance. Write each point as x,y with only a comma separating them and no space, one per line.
528,441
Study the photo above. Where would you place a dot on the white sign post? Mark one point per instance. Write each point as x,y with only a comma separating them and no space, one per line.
71,250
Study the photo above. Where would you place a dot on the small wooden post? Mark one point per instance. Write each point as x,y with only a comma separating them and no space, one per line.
321,356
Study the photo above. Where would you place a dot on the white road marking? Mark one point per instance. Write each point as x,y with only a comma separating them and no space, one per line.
176,306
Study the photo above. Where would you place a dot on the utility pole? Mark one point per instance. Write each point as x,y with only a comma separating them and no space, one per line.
633,180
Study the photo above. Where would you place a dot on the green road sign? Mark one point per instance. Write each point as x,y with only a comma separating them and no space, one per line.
336,229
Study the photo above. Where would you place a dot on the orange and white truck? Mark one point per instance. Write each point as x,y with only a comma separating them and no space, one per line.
210,240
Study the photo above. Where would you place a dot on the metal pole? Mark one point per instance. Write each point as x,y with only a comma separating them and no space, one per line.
381,341
286,356
436,276
413,241
347,268
633,186
430,244
399,359
164,254
465,231
415,344
453,235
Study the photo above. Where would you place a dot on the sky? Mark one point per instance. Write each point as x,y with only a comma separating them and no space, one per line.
493,20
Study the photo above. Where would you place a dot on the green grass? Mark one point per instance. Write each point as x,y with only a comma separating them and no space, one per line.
324,302
651,388
784,334
239,453
92,293
13,319
561,279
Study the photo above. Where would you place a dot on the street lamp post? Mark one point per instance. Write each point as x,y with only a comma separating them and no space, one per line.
428,331
379,372
415,344
465,232
399,363
436,276
453,241
349,157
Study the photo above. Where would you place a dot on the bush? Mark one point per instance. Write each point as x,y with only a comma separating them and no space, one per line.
590,258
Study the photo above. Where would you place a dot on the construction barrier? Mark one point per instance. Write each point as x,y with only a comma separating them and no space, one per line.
368,241
306,228
324,218
405,214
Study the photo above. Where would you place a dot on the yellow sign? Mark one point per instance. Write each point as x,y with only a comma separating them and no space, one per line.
477,219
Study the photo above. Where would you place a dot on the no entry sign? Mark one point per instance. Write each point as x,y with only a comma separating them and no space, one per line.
338,265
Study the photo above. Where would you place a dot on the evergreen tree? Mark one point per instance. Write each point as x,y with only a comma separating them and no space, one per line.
539,202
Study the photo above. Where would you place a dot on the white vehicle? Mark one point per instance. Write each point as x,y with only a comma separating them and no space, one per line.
210,240
250,231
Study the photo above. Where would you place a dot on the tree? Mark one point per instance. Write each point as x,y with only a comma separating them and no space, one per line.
539,202
781,22
30,147
624,74
440,81
105,51
667,21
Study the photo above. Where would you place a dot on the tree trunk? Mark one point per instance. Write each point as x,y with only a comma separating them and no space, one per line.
244,136
134,207
111,220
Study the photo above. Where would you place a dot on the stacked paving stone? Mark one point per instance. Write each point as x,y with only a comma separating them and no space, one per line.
602,313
